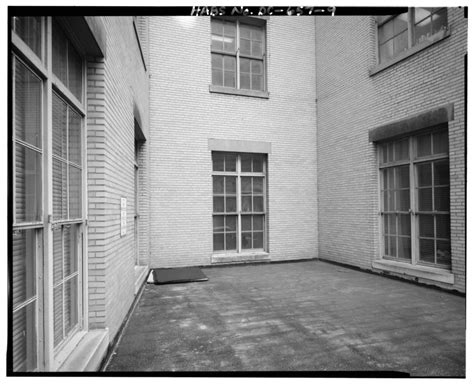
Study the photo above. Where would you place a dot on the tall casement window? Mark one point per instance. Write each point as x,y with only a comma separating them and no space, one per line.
414,180
238,53
397,34
239,202
48,134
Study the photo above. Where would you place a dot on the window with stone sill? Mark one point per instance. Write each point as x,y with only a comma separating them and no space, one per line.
400,33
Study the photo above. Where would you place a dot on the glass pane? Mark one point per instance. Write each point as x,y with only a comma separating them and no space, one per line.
403,200
246,240
245,65
246,163
258,222
218,204
257,82
404,224
391,200
229,44
386,51
24,265
390,175
218,223
218,162
401,150
217,26
27,114
24,333
230,187
246,204
246,185
58,314
70,305
402,177
440,142
229,79
217,77
257,163
390,227
218,184
59,189
400,43
230,241
400,23
230,162
246,223
75,192
229,63
231,223
258,204
441,198
217,62
440,20
218,242
59,54
257,67
245,31
229,29
257,48
258,185
258,240
70,249
441,172
392,251
245,46
257,34
217,42
424,174
231,205
423,145
28,185
75,137
426,223
404,247
74,72
443,226
385,32
427,250
386,194
443,252
28,28
425,200
422,13
245,81
58,273
59,127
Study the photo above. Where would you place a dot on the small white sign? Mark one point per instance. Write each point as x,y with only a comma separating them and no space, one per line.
123,216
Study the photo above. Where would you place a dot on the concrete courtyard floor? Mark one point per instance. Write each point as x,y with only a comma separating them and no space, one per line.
301,316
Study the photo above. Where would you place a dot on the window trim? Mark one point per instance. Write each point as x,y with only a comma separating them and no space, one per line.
255,21
412,47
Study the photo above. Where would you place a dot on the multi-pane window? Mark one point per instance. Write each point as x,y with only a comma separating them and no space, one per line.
415,199
41,176
401,32
238,53
238,202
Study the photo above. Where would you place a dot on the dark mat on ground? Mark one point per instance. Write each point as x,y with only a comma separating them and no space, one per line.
176,275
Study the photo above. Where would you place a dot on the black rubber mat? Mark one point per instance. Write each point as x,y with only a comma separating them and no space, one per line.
176,275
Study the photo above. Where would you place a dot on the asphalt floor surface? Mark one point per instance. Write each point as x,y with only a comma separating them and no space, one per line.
301,316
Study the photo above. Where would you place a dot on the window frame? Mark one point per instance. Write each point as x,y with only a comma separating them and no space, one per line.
413,161
239,174
237,90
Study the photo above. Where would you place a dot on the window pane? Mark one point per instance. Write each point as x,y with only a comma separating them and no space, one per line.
218,162
231,223
28,28
427,250
385,32
386,51
443,252
217,26
257,82
391,201
440,20
217,61
75,192
229,79
257,185
401,150
70,305
425,199
400,43
258,222
423,145
246,240
217,77
70,249
426,224
74,72
257,163
24,265
441,198
230,205
392,250
245,65
440,142
59,189
404,247
218,242
442,226
424,174
58,314
257,48
229,63
217,42
58,273
75,137
402,177
245,47
246,222
245,81
230,241
218,223
229,44
258,204
230,187
246,204
218,184
59,127
404,224
24,338
403,200
400,23
441,172
256,67
230,162
27,115
218,204
258,240
229,29
246,185
246,163
28,185
59,54
390,224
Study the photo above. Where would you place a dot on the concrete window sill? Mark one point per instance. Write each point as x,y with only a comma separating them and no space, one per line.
431,273
235,91
240,258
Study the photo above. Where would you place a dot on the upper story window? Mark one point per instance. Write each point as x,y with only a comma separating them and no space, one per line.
238,53
29,29
400,33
